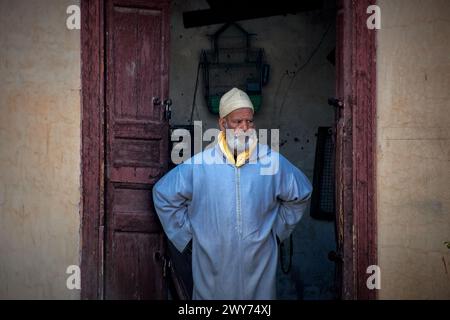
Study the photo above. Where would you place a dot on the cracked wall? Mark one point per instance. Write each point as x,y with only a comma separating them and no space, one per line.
39,149
413,149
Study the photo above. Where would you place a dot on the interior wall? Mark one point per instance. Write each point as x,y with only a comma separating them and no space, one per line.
39,149
413,149
294,101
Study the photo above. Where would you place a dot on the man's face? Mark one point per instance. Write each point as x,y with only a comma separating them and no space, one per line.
238,119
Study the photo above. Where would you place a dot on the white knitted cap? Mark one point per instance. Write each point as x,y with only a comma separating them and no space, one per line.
233,100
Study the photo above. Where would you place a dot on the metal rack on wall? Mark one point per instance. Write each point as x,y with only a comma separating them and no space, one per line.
323,196
232,62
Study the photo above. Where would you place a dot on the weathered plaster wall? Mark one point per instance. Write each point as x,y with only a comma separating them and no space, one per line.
295,101
413,148
39,149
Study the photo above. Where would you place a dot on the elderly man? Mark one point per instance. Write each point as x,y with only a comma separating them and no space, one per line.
231,211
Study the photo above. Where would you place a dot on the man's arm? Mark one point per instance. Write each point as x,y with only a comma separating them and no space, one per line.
295,191
172,195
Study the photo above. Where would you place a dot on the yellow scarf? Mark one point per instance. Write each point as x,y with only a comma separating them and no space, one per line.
241,158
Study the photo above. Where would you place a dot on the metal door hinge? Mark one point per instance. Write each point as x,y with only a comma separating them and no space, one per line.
335,257
166,266
335,103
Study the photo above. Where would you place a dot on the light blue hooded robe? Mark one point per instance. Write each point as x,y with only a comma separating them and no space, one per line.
233,215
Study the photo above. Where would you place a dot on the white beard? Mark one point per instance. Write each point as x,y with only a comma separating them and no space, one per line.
239,141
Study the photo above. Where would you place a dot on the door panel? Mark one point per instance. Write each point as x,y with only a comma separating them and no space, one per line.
136,147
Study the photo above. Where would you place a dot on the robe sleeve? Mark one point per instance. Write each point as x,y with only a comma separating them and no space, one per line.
172,195
293,195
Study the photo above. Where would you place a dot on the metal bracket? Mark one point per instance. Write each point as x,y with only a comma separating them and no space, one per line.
167,109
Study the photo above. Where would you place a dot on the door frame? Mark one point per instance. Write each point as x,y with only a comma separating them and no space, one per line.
357,200
92,147
356,187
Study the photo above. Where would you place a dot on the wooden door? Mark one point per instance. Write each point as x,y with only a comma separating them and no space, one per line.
136,142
